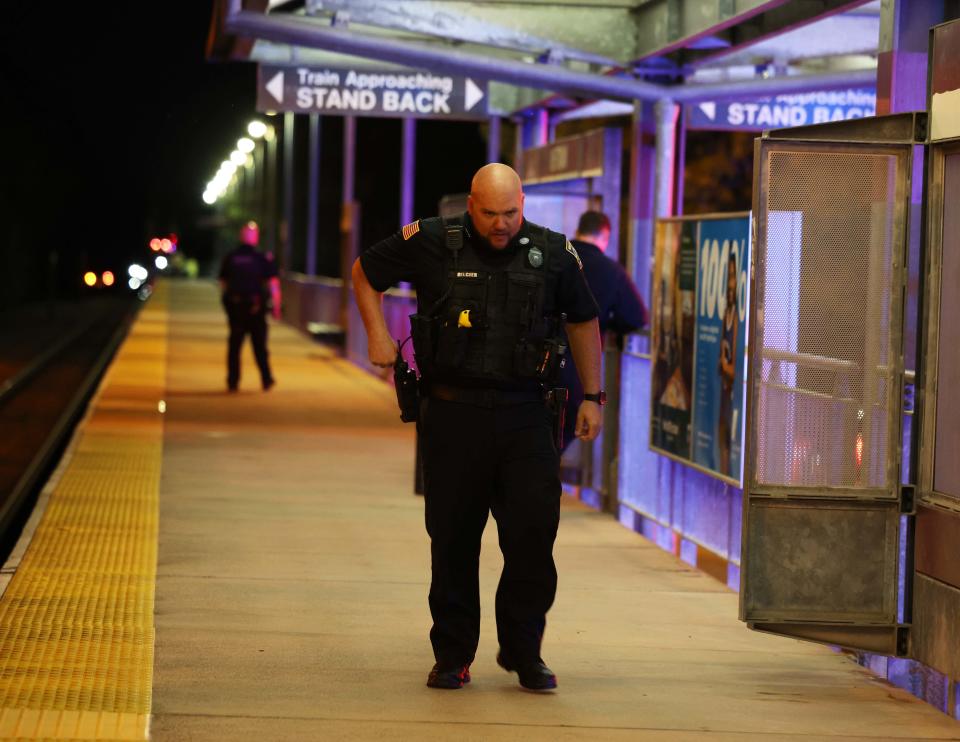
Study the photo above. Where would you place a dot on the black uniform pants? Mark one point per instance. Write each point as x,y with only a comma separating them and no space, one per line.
478,460
247,317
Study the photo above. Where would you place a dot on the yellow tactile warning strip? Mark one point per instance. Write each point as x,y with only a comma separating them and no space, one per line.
76,621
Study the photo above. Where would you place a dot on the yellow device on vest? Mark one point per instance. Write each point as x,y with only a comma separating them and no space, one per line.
464,320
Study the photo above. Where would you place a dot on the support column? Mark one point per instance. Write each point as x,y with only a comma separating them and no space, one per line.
536,128
634,366
902,86
666,116
493,140
286,224
680,161
259,179
609,185
270,206
247,199
641,196
239,190
313,194
902,58
349,158
349,220
408,169
518,146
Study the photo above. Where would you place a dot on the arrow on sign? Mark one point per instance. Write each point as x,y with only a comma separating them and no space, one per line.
473,95
709,110
275,87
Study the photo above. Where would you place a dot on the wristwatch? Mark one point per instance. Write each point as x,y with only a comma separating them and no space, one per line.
600,398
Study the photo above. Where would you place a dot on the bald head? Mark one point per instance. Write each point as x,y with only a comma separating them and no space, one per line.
495,178
496,204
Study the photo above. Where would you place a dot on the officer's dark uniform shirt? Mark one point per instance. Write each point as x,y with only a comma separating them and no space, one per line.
245,271
418,254
621,308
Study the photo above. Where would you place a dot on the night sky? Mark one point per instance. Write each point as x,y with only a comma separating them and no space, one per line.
114,121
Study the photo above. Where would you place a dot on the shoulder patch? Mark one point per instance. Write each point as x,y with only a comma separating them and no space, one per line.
573,251
410,230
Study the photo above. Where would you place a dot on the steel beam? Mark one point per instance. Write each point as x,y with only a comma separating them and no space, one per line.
604,32
771,86
309,33
694,31
839,35
445,20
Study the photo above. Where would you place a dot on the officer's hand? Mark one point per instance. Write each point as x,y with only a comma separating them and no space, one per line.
589,419
382,351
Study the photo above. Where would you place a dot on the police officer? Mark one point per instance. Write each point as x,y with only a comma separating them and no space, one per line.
247,278
621,308
491,292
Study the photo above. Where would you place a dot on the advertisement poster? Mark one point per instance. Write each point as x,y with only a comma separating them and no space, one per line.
699,340
722,287
674,320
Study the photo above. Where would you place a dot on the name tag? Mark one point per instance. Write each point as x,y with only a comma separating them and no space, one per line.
467,274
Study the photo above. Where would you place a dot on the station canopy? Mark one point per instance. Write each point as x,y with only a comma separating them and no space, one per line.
568,55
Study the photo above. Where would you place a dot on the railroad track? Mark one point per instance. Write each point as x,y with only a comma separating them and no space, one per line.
41,402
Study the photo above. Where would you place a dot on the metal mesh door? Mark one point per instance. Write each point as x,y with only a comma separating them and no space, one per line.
821,516
824,381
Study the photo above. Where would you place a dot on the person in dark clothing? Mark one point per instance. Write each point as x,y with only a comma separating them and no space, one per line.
621,308
247,279
492,292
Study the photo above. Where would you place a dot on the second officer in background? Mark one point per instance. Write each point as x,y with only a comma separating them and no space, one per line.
248,278
492,290
621,308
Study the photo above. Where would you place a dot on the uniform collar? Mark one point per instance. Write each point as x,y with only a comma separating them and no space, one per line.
584,244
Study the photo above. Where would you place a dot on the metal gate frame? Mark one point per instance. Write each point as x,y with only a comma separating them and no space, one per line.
937,598
878,630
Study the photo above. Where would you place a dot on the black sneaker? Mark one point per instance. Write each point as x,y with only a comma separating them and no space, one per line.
451,679
533,675
268,384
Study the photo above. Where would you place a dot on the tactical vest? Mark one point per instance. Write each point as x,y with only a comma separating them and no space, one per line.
495,325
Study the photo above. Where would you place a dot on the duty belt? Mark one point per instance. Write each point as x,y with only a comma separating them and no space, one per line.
484,397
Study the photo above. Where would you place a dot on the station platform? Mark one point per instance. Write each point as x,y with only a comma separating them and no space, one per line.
254,566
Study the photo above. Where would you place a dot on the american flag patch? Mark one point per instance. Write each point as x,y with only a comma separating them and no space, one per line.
410,230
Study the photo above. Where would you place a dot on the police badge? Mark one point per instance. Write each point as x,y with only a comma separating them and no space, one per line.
535,257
